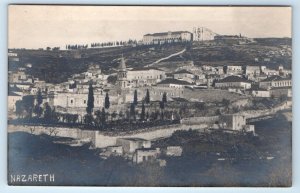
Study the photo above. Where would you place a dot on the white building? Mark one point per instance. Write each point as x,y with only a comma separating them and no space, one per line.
184,75
275,82
233,82
145,154
12,99
145,76
167,37
236,122
252,70
234,70
75,102
174,83
131,144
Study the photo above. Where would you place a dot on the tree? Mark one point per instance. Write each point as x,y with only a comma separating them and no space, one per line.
121,115
98,118
143,112
39,100
47,112
28,103
103,119
39,97
113,115
225,102
162,107
88,119
107,103
20,108
164,98
132,111
135,99
147,97
90,102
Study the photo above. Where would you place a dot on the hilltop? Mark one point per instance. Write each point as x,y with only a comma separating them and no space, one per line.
56,66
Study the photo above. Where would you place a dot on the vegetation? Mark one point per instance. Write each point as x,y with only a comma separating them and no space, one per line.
90,102
107,103
147,97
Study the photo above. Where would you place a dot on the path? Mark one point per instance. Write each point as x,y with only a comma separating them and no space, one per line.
170,56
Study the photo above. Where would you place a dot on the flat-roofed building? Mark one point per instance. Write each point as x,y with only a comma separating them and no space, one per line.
233,82
275,82
174,83
131,144
145,76
184,75
145,154
167,37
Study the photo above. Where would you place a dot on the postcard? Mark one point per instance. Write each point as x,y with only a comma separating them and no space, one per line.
149,96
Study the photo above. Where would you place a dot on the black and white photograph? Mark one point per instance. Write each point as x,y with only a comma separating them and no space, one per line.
149,96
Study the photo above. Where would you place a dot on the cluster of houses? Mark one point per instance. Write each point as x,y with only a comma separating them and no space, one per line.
139,150
71,96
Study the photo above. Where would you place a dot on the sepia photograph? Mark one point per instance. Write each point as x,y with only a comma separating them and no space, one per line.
149,96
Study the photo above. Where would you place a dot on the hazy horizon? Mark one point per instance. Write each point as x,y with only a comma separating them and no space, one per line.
39,26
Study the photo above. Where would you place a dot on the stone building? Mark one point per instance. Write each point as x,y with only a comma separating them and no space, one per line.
147,76
233,122
174,151
233,82
131,144
145,154
12,99
275,82
252,70
233,69
174,83
167,37
184,75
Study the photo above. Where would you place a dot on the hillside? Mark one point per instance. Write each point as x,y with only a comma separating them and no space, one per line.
58,66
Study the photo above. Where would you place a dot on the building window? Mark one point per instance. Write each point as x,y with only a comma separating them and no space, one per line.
71,101
84,101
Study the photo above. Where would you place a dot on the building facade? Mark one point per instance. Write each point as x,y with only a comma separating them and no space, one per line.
167,37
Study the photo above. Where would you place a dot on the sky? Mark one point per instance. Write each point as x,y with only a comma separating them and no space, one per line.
39,26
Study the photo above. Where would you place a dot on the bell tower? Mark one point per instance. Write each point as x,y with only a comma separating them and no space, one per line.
121,76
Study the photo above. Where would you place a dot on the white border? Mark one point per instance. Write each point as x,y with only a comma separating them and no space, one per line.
3,96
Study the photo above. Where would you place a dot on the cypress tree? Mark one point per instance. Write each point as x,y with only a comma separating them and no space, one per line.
90,102
107,103
143,112
164,98
135,99
147,97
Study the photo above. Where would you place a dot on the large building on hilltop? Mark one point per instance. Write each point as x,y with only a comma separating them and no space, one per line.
232,39
203,34
167,37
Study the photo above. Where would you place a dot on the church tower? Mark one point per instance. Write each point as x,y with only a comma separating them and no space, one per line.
121,76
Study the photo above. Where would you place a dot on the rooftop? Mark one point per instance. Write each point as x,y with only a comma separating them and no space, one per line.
275,78
174,81
12,94
183,72
14,89
234,79
145,68
166,33
134,139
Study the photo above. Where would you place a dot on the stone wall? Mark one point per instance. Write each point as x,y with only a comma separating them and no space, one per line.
101,139
199,120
